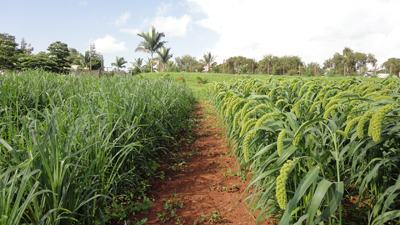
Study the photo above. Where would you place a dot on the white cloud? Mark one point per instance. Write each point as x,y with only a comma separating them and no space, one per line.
123,18
171,26
83,3
163,9
132,31
311,29
108,44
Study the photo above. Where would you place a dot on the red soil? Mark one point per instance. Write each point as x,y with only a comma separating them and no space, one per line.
200,180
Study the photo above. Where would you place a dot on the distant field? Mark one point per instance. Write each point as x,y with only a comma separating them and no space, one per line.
200,90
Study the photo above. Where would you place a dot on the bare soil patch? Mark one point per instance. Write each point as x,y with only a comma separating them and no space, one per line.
201,185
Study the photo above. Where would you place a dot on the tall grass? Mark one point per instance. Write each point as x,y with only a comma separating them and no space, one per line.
67,143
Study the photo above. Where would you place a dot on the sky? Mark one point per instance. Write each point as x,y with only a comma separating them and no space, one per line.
314,30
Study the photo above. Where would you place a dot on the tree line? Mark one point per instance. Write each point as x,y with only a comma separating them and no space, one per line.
59,58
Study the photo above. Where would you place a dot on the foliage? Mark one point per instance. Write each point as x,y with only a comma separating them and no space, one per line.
152,42
38,61
8,52
149,65
276,64
25,48
208,61
84,60
349,62
74,56
137,62
394,63
201,80
146,70
59,53
312,69
119,62
70,145
186,61
239,65
312,144
164,56
174,69
136,70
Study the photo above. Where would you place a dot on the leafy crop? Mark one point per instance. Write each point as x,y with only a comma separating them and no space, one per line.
314,143
68,145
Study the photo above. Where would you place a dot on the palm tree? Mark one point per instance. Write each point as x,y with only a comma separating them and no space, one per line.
208,60
148,63
152,42
119,62
164,56
137,62
84,60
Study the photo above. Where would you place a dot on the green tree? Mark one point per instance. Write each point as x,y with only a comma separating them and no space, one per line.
164,56
338,63
361,59
59,53
238,64
349,60
208,60
84,60
392,66
186,61
137,62
315,69
6,36
38,61
26,48
217,68
279,65
149,65
328,64
74,56
152,42
291,64
372,60
8,52
119,62
264,66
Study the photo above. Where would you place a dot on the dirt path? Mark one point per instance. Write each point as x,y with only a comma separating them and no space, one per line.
200,185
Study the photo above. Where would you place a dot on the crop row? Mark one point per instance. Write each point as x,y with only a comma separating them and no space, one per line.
68,145
315,145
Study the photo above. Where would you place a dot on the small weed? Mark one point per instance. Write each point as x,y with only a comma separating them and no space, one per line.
215,217
122,210
195,151
203,217
170,207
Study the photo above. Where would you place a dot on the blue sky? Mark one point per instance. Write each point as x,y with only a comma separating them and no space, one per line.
311,29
